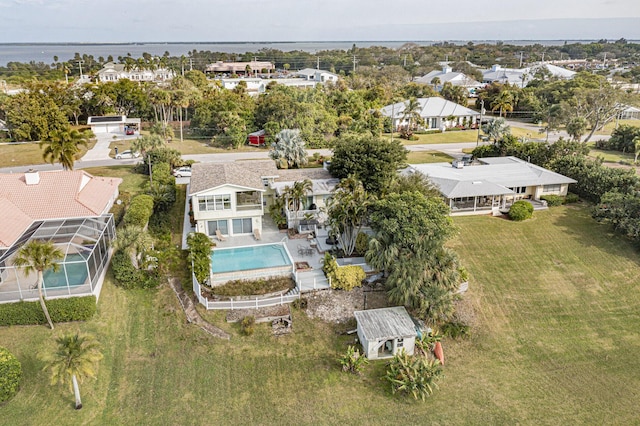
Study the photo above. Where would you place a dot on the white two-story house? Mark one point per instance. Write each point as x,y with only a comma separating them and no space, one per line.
230,197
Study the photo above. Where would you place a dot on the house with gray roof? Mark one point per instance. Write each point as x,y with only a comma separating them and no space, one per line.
437,114
493,184
385,332
447,75
522,76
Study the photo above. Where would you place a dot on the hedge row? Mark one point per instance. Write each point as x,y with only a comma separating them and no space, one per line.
61,310
139,211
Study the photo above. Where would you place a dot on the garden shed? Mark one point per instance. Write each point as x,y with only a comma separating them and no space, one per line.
384,332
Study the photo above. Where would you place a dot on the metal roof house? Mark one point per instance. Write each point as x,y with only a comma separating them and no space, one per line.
447,75
437,113
385,332
112,123
494,184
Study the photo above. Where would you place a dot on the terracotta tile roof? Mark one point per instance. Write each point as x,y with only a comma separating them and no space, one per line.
247,174
14,222
57,194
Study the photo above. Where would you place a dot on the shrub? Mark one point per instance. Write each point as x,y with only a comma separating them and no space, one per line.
348,277
139,211
352,361
10,375
571,198
415,376
61,310
200,255
521,210
300,304
455,329
127,276
553,200
247,325
118,209
362,242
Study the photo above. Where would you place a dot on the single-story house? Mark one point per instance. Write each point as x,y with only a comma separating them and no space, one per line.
492,185
69,208
446,75
317,75
522,76
385,332
436,113
113,124
114,72
239,67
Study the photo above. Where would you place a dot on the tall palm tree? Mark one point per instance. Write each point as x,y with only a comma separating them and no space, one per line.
38,256
411,114
62,146
74,360
503,102
295,194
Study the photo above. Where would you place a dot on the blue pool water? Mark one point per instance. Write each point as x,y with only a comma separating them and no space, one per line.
76,273
246,258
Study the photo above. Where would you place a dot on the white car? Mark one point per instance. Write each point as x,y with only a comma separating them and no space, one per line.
182,172
127,154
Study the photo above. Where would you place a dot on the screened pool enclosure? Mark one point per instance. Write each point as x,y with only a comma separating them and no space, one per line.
85,243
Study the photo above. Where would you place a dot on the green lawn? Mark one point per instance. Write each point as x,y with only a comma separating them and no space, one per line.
556,343
131,182
417,157
24,154
459,136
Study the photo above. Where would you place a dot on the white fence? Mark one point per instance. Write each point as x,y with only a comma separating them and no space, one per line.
240,304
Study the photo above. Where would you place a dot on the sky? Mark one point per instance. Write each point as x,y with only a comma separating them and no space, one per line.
83,21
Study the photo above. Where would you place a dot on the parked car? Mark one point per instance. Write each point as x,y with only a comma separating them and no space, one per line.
129,132
182,172
127,154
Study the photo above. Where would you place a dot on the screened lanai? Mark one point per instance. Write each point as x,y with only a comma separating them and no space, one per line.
85,244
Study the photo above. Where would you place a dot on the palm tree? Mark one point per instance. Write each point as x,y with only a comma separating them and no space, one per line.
134,241
411,114
497,128
295,194
347,211
145,144
38,256
503,102
62,146
75,358
288,150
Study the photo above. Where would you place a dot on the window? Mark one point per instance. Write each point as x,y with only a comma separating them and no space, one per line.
242,226
213,225
214,202
399,343
519,189
552,188
434,123
265,182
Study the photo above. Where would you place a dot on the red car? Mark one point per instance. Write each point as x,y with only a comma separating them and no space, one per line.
129,132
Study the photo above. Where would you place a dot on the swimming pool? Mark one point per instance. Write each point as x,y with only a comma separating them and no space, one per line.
76,273
247,258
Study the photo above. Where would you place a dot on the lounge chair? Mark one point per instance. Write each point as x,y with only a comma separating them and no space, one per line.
256,234
219,236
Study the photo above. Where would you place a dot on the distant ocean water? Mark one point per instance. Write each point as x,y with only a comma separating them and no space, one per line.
44,52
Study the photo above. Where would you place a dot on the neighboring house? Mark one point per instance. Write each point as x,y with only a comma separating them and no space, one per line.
229,197
494,184
320,76
113,124
114,72
436,113
385,332
629,113
257,86
446,75
221,67
522,77
69,208
315,203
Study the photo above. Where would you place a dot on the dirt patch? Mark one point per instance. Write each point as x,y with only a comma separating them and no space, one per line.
337,305
261,314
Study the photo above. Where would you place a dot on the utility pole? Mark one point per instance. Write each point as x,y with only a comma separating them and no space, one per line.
190,64
521,53
354,64
80,62
480,124
405,61
317,62
543,57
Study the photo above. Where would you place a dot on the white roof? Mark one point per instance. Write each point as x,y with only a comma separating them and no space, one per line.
385,323
318,186
494,177
522,76
455,78
312,71
430,107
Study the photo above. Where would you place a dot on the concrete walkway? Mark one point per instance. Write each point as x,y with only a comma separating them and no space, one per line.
101,150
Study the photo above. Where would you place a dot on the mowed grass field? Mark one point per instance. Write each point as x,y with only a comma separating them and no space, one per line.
556,342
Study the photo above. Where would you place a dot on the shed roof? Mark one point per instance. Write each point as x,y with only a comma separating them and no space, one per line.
385,323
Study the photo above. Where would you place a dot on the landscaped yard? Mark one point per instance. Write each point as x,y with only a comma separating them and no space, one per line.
417,157
24,154
557,342
458,136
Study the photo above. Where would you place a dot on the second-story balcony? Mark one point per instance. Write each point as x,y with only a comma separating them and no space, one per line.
249,200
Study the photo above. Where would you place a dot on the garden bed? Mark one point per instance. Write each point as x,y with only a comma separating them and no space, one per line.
258,287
